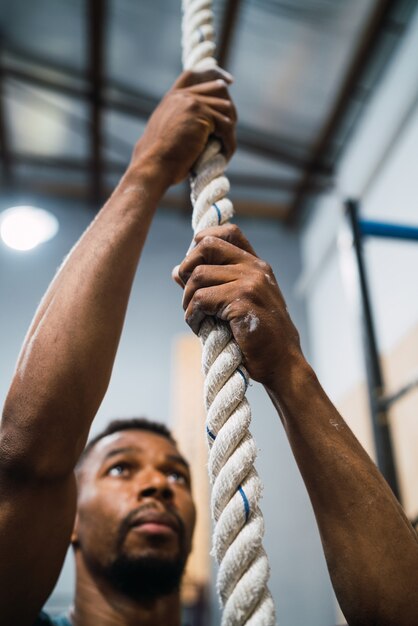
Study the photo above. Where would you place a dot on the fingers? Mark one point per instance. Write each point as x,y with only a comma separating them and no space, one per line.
219,116
208,301
220,125
175,276
220,112
209,89
208,276
228,232
218,275
210,251
224,129
217,245
221,105
216,89
190,78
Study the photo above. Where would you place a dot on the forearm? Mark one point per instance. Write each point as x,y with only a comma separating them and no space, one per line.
371,550
66,361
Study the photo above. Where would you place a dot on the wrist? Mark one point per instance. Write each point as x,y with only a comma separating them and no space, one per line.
146,174
149,161
290,385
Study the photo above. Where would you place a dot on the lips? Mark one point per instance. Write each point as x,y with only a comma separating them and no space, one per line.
154,521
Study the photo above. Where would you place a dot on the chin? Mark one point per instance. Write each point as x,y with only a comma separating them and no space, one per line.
148,576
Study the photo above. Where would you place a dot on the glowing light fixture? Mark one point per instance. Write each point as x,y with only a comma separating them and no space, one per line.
25,227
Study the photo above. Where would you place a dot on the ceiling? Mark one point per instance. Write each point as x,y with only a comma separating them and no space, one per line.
78,79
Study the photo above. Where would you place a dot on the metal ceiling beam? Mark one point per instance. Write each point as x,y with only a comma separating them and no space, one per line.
253,181
367,49
141,104
172,200
275,183
68,80
95,27
276,149
227,31
36,79
15,53
64,163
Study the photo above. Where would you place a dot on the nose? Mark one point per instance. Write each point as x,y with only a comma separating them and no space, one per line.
154,484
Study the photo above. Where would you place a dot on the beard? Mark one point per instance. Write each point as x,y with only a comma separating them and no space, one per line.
148,576
145,578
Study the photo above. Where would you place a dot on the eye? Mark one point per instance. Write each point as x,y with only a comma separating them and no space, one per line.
119,469
177,477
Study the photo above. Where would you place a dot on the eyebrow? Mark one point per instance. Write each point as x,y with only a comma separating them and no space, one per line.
176,458
116,451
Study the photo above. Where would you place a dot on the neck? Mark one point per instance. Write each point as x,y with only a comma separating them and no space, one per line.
98,603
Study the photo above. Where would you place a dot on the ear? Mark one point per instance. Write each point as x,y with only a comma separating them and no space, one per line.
74,534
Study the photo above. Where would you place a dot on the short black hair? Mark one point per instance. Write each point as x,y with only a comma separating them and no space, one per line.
132,423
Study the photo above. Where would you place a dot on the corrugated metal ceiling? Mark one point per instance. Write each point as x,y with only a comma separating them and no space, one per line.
78,79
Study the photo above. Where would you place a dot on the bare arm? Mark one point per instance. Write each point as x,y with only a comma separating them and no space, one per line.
370,547
66,361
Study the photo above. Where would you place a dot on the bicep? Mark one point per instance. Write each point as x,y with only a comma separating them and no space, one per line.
36,520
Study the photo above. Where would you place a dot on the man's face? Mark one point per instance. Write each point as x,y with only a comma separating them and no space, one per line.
135,510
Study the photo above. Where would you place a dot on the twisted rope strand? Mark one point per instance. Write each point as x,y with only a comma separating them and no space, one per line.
236,487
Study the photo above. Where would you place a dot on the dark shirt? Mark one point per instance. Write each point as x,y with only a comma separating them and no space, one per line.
45,620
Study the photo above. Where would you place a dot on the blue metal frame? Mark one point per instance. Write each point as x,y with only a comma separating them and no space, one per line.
389,231
375,380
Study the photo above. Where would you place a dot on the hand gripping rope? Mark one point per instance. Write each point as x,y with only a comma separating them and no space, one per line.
236,487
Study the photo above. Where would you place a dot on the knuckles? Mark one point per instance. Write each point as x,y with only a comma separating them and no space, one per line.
264,267
232,233
185,101
208,242
205,247
192,104
248,290
227,232
197,276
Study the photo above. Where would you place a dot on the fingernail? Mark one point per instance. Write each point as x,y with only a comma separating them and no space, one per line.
227,75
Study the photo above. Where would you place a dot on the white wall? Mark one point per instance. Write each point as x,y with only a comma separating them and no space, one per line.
141,385
380,169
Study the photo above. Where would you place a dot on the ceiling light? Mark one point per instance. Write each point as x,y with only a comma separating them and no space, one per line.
25,227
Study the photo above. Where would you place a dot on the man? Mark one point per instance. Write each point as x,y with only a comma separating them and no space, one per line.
133,499
134,526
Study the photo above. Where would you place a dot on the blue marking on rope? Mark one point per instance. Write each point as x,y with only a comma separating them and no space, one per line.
243,376
211,435
218,212
246,503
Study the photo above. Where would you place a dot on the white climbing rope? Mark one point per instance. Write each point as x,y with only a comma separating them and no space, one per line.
236,487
